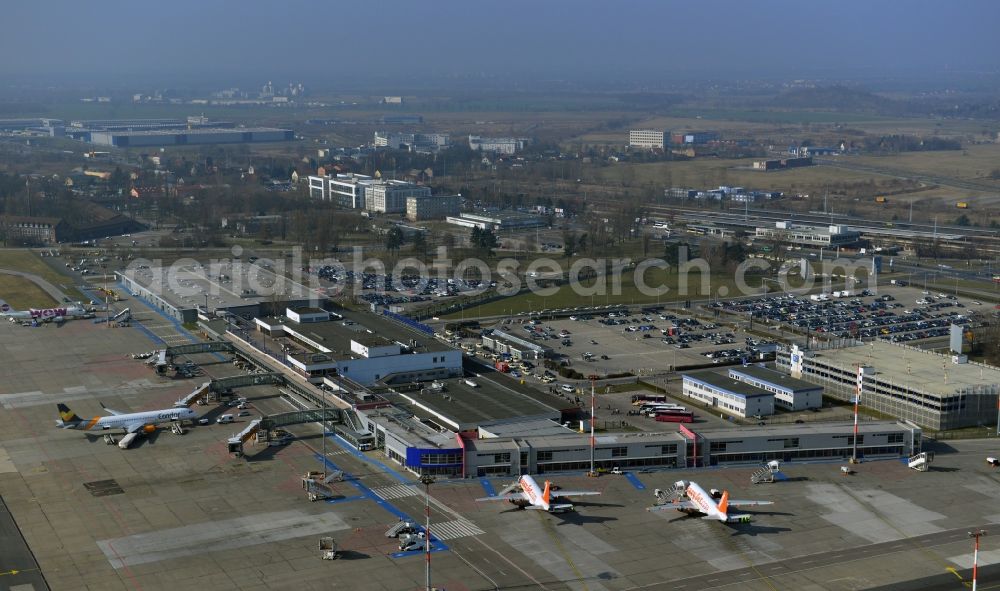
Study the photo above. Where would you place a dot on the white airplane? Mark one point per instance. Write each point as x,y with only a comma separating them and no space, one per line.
534,497
130,422
697,501
57,314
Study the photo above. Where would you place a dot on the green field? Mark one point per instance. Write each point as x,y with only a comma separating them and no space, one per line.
27,261
22,294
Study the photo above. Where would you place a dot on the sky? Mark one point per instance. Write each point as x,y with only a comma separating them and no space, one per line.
114,41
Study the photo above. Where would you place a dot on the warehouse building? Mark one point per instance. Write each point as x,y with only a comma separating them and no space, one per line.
730,396
789,393
243,135
923,387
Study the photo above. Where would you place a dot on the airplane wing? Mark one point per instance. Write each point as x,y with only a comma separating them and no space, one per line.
133,427
112,411
738,503
510,497
677,506
574,493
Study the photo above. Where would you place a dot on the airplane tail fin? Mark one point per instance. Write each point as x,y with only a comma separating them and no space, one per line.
547,493
68,417
724,502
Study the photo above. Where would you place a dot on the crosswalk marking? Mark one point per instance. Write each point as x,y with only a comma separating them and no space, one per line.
397,492
459,528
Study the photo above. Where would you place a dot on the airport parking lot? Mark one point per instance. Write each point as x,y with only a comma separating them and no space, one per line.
643,344
900,314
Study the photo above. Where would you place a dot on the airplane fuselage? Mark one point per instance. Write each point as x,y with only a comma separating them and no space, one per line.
122,421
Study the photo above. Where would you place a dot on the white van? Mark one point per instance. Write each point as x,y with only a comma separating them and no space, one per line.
224,419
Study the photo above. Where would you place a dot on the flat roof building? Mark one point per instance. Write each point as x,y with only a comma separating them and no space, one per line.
432,207
728,395
500,145
789,393
826,236
238,287
367,349
345,190
498,220
391,196
647,138
125,139
502,342
912,384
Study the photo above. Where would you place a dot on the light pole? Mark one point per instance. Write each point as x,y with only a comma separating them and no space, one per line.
975,555
427,480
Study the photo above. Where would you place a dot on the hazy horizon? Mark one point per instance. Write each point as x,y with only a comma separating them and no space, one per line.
187,42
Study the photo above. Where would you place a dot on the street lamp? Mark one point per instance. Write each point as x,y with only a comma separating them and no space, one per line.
975,556
427,480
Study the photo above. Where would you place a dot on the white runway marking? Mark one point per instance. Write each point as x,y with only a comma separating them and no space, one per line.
213,536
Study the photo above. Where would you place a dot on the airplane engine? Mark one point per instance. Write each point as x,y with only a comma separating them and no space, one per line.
149,429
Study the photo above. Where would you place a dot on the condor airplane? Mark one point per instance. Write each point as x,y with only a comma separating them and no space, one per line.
697,501
534,497
56,314
130,422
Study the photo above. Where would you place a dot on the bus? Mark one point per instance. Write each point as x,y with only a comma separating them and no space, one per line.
675,416
640,399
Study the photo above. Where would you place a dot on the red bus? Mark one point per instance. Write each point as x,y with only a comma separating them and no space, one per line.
675,416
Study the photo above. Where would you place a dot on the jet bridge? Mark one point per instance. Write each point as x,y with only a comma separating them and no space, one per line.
196,348
235,443
270,423
196,396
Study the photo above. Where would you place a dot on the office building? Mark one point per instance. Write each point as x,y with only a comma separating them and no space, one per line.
391,196
414,142
789,393
35,231
730,396
500,145
647,138
345,190
935,391
432,207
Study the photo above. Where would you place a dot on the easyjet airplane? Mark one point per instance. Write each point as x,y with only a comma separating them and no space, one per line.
131,422
56,314
697,501
534,497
